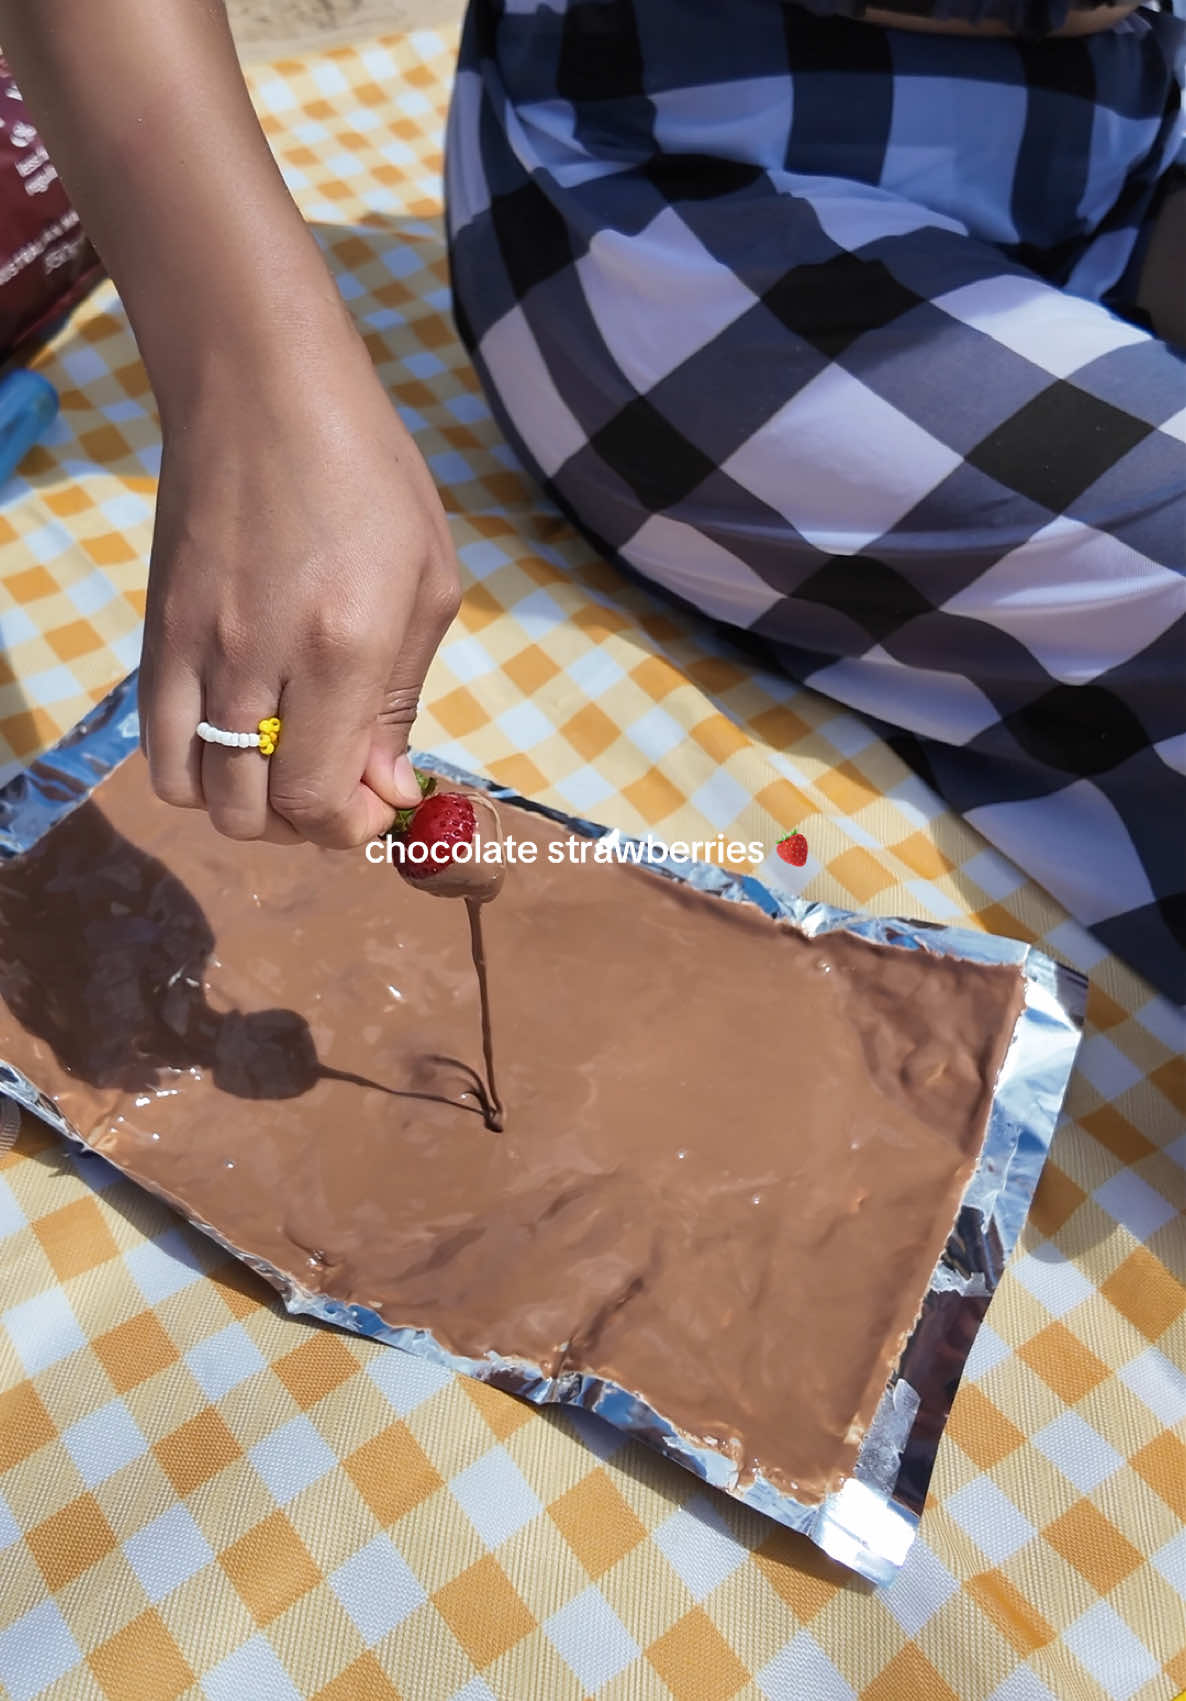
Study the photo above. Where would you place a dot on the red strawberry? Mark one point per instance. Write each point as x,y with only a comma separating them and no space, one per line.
440,846
440,824
792,848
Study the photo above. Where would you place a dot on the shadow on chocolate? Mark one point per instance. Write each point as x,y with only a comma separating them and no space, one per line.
103,955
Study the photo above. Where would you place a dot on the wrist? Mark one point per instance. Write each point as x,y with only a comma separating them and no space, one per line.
271,347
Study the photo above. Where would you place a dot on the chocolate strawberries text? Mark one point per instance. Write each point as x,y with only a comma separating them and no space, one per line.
394,849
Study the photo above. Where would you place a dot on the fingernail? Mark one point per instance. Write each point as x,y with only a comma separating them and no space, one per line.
406,784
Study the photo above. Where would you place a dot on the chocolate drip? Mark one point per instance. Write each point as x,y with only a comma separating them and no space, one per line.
493,1107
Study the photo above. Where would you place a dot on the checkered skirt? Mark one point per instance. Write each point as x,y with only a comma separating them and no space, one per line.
827,331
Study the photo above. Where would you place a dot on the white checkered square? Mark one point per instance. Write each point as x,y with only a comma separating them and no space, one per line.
656,734
404,1381
252,1670
1105,1065
12,1218
1119,1661
291,1458
378,1588
1135,1204
167,1552
700,1546
721,800
43,1330
496,1496
164,1266
1052,1279
848,426
1160,1383
802,1668
650,335
1170,1560
223,1360
103,1442
525,725
990,1518
1079,1451
589,1635
584,789
920,1588
1022,1685
35,1651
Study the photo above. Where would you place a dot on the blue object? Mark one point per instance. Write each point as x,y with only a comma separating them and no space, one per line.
28,407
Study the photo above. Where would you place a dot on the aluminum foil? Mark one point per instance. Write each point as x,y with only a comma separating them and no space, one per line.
869,1523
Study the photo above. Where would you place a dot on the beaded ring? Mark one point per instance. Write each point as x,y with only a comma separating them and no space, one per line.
264,739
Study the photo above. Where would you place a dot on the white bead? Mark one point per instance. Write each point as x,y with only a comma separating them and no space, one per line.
211,734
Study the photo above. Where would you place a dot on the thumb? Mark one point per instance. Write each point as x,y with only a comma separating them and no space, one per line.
389,770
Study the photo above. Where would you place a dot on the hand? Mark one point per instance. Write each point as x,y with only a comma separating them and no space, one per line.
301,566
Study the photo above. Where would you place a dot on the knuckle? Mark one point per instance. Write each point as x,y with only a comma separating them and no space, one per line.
238,824
177,792
310,813
230,636
334,636
444,597
400,705
321,820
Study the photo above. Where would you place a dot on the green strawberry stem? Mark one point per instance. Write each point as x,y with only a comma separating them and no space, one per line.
403,817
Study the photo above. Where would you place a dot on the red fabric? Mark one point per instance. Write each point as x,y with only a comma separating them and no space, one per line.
46,263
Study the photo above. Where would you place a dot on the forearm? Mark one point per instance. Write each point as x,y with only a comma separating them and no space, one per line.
147,118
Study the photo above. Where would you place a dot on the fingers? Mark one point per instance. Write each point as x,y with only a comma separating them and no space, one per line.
235,782
341,768
170,709
189,774
389,771
315,781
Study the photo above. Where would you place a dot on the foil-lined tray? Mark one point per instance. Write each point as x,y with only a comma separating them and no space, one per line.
869,1522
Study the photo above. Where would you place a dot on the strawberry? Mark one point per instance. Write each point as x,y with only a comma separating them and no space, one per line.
441,823
792,848
434,842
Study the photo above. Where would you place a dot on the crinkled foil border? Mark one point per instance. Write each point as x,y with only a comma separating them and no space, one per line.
869,1523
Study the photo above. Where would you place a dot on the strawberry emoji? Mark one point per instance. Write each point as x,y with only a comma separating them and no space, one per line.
439,844
792,848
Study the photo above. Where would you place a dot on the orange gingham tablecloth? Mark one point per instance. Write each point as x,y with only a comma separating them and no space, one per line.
200,1497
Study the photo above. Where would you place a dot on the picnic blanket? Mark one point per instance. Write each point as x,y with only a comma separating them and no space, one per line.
201,1497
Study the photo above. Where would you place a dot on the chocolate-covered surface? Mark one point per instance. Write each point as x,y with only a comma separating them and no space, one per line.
731,1154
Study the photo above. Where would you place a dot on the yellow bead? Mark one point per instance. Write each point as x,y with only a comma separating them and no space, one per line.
270,724
266,744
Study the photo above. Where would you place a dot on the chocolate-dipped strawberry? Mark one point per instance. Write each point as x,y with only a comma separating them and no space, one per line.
440,847
443,844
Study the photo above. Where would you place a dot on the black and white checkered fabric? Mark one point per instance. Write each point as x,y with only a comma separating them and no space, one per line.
819,327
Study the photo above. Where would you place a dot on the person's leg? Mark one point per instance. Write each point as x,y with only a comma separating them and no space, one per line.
947,493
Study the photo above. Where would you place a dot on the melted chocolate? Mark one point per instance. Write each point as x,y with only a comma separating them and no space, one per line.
494,1112
732,1154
